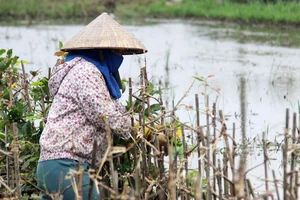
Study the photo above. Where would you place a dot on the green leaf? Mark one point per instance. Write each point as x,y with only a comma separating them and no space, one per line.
16,112
123,87
14,60
34,73
2,51
2,135
32,118
25,165
151,88
27,129
137,106
152,91
199,78
5,93
28,155
60,44
3,115
154,108
9,62
9,53
37,83
3,66
127,106
19,62
180,151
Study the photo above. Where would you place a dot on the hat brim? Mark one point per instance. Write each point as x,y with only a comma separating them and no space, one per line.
123,51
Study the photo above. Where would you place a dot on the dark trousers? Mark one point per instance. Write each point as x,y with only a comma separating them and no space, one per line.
48,178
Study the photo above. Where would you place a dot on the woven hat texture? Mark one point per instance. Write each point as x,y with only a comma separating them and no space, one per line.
105,33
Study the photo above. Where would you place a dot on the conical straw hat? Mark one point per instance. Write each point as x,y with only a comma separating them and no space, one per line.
105,33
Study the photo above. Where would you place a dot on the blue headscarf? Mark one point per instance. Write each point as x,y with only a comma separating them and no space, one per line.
111,65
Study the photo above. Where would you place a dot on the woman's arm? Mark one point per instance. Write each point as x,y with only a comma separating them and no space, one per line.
97,103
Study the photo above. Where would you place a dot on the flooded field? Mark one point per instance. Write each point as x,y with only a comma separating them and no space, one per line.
221,53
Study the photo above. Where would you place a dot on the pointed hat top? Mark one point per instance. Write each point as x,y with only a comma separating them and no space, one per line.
105,33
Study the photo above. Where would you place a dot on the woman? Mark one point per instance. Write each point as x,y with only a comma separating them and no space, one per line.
86,94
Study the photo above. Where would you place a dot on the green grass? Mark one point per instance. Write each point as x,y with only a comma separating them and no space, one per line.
41,10
256,12
253,12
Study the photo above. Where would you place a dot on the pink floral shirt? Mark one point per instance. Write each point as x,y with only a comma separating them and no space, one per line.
76,117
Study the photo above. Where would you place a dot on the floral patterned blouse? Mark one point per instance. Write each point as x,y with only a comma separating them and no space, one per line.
76,118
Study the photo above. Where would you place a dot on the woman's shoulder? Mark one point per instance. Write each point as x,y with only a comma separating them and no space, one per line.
84,67
87,72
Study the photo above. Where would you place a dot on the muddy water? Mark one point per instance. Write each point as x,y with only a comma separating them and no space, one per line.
268,60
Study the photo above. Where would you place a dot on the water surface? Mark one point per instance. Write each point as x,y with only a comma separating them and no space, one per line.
267,58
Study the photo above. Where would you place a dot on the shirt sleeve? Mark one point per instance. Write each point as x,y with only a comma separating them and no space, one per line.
98,104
